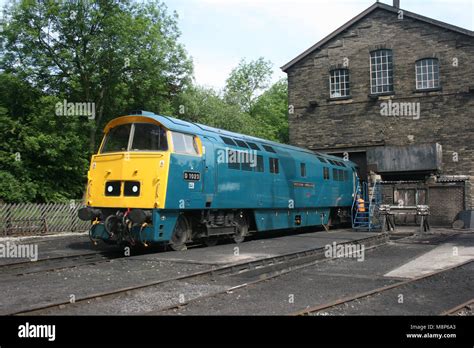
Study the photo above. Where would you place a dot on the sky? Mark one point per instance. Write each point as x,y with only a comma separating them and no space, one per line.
219,33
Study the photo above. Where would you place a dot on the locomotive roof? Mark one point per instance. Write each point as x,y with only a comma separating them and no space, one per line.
175,124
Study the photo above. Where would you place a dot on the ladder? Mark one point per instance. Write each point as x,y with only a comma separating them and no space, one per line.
367,220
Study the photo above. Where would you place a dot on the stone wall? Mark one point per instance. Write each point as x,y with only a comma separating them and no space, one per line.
446,115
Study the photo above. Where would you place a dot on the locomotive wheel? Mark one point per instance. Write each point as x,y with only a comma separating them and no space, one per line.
241,230
180,234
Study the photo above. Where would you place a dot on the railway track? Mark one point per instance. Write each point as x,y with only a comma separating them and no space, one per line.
330,305
274,266
468,305
52,264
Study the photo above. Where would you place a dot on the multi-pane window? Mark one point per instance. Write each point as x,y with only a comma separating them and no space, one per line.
427,73
381,71
339,82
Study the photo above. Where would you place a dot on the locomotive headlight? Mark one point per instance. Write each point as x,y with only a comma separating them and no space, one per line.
131,188
112,188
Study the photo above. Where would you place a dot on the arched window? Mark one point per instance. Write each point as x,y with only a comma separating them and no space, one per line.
339,83
381,71
427,73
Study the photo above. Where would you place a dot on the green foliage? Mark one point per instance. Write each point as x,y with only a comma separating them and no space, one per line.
205,106
121,55
42,155
270,110
246,81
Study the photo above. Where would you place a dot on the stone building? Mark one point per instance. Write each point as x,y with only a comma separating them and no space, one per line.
394,92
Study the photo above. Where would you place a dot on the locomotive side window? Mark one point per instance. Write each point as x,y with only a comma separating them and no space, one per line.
269,148
185,144
117,139
233,160
241,143
340,175
253,146
260,166
148,137
303,170
322,160
274,165
326,173
228,141
246,161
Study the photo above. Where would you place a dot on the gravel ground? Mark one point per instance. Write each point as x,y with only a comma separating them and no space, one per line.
43,288
313,285
430,296
37,289
329,281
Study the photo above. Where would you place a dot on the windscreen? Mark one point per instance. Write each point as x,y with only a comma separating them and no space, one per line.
117,138
146,137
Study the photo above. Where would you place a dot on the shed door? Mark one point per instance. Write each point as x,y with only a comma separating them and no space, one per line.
445,203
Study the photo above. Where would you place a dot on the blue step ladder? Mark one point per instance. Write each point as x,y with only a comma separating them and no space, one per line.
368,219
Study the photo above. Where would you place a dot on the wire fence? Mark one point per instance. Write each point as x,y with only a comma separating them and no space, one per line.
40,218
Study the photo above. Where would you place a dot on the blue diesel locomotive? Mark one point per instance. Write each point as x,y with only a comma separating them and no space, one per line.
156,179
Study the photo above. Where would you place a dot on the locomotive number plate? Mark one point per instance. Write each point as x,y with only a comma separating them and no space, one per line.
192,176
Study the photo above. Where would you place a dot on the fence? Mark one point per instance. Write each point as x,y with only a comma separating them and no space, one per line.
32,218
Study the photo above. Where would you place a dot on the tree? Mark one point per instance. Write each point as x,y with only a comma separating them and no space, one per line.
270,111
246,82
121,55
41,155
205,106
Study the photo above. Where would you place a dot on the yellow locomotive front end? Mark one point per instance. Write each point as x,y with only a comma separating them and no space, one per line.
131,168
127,178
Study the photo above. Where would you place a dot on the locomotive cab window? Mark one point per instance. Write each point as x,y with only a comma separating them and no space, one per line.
117,139
135,137
148,137
185,144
